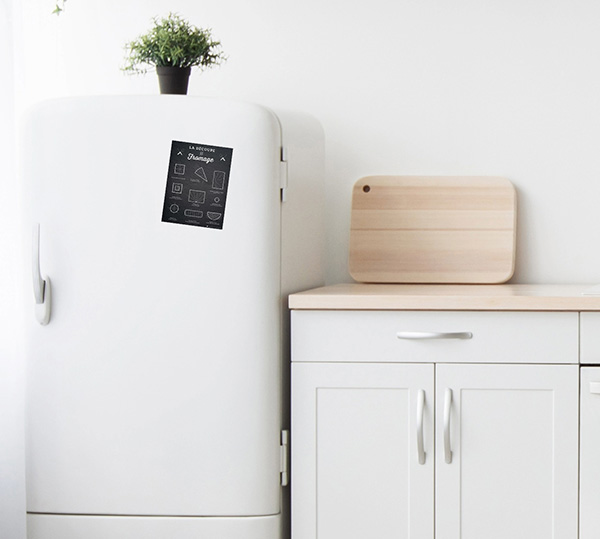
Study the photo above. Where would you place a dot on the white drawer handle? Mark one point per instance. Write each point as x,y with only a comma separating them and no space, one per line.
595,388
427,335
420,442
447,409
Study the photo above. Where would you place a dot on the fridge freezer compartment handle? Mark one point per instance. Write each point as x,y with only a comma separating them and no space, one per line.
42,290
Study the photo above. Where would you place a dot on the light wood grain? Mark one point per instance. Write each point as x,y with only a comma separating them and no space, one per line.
378,219
432,297
410,229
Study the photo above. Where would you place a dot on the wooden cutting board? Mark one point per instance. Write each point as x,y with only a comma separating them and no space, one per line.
432,229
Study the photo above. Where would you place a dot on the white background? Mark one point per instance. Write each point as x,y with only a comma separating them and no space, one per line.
461,87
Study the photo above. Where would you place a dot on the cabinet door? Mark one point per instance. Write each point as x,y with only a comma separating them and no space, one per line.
355,457
513,435
589,515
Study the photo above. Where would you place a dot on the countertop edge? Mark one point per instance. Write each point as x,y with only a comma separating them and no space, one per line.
521,297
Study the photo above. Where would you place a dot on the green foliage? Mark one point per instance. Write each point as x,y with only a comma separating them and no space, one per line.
60,6
173,42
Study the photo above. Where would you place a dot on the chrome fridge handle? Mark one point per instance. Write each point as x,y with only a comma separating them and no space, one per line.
447,410
420,442
42,290
427,335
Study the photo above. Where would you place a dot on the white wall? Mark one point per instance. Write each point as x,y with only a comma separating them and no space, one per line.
500,87
12,496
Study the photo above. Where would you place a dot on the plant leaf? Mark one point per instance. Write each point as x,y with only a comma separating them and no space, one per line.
172,41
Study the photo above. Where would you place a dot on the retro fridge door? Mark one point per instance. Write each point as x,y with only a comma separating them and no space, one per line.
155,387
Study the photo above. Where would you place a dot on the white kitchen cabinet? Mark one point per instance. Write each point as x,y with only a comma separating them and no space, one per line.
513,442
355,459
589,513
509,468
501,391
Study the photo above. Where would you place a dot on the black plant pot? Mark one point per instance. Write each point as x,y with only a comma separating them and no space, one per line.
173,80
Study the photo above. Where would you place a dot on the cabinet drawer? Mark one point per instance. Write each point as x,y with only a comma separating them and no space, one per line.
590,338
435,336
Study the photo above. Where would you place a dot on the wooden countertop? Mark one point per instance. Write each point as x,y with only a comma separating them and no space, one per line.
502,297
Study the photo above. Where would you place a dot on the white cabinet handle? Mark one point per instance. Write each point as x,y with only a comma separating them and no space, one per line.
42,291
428,335
595,388
420,441
447,410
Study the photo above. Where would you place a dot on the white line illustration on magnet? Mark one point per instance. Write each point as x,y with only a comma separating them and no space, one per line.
201,174
179,169
197,196
218,180
177,188
193,213
213,216
173,208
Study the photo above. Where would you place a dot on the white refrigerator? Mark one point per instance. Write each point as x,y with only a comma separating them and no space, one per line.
168,231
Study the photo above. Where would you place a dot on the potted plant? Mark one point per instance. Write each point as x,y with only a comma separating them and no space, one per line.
173,46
